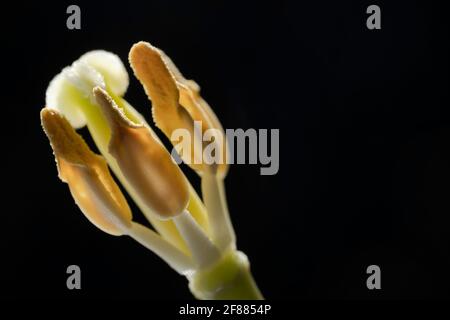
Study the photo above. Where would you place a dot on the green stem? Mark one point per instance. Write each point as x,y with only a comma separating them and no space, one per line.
229,279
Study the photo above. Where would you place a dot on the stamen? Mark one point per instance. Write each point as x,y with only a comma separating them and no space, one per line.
87,175
176,101
145,162
176,104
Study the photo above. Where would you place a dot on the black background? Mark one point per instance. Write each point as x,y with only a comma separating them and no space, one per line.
364,153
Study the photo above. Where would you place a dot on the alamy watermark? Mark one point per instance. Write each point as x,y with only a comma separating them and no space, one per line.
73,22
74,279
249,146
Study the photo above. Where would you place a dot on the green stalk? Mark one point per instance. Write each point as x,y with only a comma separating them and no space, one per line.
228,279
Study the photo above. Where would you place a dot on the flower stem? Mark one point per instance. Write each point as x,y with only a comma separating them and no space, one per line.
229,279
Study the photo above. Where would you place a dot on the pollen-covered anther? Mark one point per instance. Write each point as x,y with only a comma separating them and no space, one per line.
144,161
88,177
176,101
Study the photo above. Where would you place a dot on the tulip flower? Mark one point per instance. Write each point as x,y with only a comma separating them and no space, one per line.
192,236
